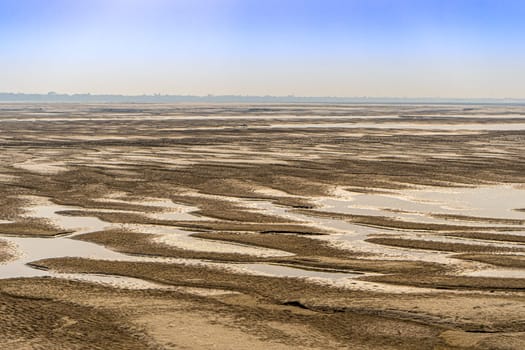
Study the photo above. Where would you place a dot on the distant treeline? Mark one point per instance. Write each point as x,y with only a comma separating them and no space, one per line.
157,98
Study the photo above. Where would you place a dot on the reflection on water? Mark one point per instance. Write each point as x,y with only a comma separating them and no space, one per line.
350,236
407,126
182,239
114,281
286,271
418,204
498,201
30,249
422,204
45,209
498,273
166,208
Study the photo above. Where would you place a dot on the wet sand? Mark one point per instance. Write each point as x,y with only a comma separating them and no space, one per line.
270,227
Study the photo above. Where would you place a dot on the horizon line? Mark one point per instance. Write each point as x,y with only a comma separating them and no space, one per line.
158,97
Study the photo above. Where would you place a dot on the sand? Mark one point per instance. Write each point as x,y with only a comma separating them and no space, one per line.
265,227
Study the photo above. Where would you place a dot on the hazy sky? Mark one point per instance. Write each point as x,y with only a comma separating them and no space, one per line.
397,48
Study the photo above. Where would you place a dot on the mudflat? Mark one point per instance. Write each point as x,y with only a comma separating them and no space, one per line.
262,226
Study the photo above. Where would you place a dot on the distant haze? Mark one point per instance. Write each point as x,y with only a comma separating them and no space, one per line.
375,48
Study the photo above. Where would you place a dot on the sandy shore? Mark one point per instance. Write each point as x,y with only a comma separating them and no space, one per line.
283,227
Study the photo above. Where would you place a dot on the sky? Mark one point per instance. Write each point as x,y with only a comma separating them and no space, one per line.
352,48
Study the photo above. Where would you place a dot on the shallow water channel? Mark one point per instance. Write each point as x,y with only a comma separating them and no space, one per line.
419,204
31,249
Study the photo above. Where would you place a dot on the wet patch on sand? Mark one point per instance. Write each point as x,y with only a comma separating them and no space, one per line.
379,227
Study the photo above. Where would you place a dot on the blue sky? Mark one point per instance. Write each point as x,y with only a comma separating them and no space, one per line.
403,48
